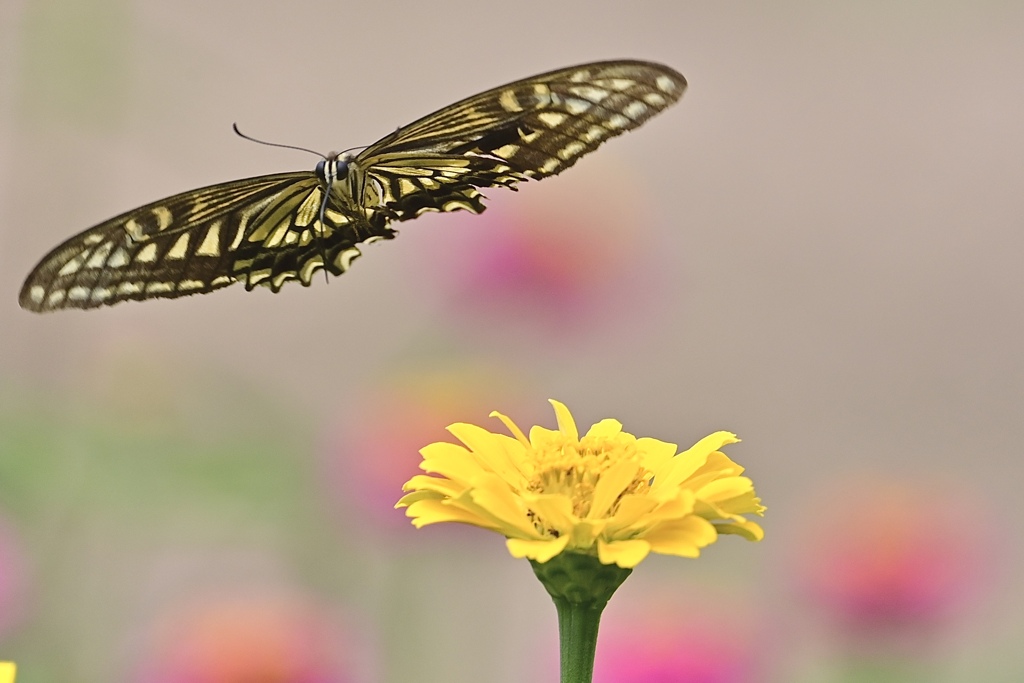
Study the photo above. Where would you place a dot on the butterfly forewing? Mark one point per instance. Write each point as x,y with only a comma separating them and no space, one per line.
272,229
542,125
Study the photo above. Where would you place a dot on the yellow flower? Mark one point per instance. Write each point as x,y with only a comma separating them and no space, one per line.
7,670
608,494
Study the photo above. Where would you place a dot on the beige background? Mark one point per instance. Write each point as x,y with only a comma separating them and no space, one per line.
833,213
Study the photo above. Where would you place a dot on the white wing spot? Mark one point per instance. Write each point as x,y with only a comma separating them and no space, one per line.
309,210
666,84
134,230
222,280
580,76
78,294
576,106
99,257
508,101
635,109
56,297
159,287
505,151
211,243
594,133
617,121
654,99
530,137
186,285
552,119
571,150
550,165
311,265
278,235
180,247
257,276
101,294
345,258
589,92
119,259
164,217
36,294
619,84
72,266
147,254
281,278
92,239
129,288
406,186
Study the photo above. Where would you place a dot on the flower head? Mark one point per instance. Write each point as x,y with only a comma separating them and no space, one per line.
607,493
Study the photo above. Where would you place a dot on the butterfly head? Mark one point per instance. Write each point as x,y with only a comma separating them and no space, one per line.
333,168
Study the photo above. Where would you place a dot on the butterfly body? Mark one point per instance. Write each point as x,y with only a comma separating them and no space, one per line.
271,229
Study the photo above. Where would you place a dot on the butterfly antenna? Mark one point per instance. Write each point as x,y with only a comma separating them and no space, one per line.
344,151
275,144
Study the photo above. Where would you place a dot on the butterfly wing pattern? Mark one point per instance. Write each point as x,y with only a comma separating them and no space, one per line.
275,228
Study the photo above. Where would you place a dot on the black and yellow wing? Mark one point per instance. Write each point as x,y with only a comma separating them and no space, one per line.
272,229
527,129
263,230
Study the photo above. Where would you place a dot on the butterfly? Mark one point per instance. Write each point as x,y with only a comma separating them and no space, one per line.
271,229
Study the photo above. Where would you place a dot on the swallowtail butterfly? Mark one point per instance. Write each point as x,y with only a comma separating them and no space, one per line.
271,229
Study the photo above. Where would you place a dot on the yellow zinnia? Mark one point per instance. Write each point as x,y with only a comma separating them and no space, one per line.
607,494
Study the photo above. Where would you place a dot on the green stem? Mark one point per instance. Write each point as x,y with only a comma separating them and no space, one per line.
580,586
577,633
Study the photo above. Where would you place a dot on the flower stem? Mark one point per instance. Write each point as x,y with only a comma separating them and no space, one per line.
580,587
577,633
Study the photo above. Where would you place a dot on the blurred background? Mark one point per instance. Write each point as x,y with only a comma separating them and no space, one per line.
818,248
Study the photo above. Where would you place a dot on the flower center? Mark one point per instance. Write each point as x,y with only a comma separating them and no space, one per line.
573,468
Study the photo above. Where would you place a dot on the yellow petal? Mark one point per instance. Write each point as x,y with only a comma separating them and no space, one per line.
541,551
566,424
683,537
426,512
713,442
512,427
626,554
605,429
554,510
720,462
743,527
450,461
655,454
610,486
724,489
477,439
632,509
492,495
439,485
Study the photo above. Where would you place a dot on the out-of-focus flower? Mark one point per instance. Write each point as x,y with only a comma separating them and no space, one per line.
901,557
556,259
7,671
371,449
607,494
685,645
241,641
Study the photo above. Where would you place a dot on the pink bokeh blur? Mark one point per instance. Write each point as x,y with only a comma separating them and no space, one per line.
268,639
